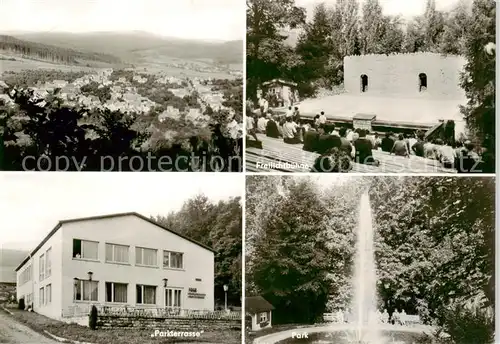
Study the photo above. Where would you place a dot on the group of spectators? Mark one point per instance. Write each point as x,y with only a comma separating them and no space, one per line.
339,147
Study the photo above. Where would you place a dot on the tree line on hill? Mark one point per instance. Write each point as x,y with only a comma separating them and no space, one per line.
217,225
52,53
434,242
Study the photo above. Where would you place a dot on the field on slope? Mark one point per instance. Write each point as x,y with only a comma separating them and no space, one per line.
142,50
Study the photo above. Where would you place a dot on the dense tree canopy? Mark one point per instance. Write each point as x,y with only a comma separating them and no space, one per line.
217,225
48,130
434,242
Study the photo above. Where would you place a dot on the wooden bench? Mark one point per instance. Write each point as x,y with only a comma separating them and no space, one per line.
276,155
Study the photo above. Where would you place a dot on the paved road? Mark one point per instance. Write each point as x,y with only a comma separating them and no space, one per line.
12,332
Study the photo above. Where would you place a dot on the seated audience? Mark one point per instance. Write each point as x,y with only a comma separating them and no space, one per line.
261,124
327,141
334,161
364,148
429,150
316,121
387,142
468,161
290,132
446,154
311,138
418,146
345,144
411,142
400,147
272,128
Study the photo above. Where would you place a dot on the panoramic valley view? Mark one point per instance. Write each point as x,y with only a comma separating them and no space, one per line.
80,91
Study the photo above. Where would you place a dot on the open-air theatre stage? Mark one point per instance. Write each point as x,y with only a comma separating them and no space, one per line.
398,112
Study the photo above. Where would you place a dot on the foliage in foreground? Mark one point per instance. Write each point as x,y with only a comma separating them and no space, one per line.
52,129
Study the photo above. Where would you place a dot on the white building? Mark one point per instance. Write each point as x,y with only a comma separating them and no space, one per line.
117,260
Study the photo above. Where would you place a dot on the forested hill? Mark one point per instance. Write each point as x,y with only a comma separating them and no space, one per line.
51,52
137,45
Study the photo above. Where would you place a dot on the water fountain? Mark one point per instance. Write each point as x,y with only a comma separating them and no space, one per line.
365,327
364,302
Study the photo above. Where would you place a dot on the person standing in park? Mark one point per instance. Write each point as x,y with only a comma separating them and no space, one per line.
322,118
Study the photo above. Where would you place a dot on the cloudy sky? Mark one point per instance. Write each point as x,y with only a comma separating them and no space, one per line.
406,8
190,19
31,204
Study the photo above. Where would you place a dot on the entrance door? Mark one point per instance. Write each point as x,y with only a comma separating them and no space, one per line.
173,298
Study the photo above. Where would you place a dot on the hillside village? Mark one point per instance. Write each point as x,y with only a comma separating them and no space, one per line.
124,95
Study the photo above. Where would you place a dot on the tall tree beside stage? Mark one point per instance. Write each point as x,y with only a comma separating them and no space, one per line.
433,24
268,56
478,80
371,27
314,47
455,29
347,37
217,225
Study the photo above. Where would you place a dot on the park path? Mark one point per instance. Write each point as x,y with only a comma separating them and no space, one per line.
13,332
287,334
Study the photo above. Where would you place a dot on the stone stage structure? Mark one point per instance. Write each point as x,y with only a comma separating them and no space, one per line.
398,92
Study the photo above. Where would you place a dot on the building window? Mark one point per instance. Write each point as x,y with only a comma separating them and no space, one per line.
48,293
116,253
41,267
422,77
172,260
364,83
85,249
25,275
173,298
48,262
263,317
116,292
85,290
41,297
145,256
146,294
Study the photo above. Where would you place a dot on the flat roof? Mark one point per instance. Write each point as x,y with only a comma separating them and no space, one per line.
100,217
279,81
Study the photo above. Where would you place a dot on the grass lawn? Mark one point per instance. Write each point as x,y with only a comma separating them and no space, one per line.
76,332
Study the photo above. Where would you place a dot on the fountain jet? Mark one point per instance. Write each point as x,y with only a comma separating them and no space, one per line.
364,302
